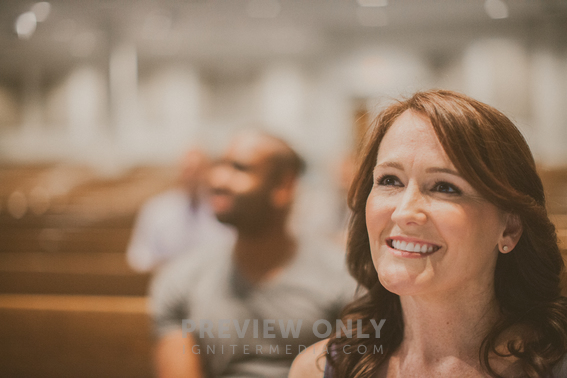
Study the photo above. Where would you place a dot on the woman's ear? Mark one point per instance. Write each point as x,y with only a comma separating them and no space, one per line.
511,234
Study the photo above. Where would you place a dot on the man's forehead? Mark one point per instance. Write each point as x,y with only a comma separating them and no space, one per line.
251,148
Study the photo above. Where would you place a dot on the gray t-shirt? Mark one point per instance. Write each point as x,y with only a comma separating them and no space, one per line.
229,317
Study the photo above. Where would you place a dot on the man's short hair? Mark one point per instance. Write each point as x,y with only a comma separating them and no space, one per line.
285,161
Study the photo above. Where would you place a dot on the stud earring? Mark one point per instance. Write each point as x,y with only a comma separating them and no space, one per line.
505,248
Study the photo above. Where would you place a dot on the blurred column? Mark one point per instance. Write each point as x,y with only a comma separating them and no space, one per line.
124,88
181,102
496,72
283,99
86,92
479,72
31,110
549,95
171,100
329,115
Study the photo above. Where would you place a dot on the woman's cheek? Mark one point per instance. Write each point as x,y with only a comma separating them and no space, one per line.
377,217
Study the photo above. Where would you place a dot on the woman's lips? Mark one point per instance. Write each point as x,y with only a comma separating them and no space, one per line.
412,247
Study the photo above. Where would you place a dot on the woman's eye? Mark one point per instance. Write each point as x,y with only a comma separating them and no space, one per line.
389,181
445,187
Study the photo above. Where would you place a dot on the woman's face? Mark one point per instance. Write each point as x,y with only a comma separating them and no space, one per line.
430,232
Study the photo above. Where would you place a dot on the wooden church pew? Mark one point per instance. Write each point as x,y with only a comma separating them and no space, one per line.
74,336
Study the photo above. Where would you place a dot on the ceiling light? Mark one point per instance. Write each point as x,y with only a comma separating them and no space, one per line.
41,10
496,9
25,25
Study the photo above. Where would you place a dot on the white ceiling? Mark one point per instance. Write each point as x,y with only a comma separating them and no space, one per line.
222,34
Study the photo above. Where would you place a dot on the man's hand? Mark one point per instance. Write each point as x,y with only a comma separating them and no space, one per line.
175,358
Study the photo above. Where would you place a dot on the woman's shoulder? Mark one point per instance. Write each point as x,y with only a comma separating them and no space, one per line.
310,362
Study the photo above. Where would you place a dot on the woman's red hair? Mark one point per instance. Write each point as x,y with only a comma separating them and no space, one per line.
491,154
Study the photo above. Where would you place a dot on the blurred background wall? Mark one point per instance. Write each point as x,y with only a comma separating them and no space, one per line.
119,83
99,99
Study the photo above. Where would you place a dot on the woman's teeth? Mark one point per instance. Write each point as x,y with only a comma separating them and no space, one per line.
413,247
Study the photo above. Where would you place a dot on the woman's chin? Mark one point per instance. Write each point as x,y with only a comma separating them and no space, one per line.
398,283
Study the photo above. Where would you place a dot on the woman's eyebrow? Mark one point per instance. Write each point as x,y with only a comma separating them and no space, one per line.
393,164
390,164
442,170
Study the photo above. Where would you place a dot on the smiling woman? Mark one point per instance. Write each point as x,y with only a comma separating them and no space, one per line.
419,202
451,240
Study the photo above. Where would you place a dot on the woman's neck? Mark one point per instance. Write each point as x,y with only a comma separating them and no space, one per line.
443,335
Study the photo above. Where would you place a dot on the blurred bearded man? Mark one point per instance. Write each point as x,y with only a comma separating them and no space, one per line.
248,310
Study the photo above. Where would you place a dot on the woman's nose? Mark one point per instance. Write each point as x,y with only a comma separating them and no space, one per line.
410,207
